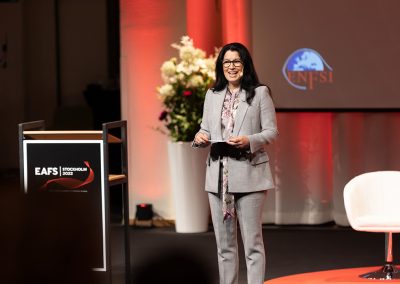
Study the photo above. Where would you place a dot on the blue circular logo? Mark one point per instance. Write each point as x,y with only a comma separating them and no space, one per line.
305,68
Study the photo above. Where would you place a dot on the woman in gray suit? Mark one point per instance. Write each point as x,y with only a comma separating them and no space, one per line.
238,122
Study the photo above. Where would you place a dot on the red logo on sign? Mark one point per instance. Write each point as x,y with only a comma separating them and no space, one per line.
71,183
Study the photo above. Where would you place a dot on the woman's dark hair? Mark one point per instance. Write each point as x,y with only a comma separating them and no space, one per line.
249,79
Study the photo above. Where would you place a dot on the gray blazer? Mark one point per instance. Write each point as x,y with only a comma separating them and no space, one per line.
257,121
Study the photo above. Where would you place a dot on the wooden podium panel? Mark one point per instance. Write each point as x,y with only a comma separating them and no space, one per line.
69,135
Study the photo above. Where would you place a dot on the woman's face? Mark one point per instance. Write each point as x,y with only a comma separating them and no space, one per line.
233,67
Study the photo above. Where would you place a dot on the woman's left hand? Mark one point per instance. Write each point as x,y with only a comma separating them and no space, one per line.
241,142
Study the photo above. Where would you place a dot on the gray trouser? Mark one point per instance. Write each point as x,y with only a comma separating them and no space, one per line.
249,208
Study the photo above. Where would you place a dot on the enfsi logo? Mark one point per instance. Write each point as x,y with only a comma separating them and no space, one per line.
305,69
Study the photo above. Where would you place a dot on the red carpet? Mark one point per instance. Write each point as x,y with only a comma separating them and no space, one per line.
342,276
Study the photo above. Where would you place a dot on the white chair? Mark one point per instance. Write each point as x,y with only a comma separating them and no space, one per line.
372,202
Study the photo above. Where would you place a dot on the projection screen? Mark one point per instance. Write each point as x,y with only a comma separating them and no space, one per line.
341,54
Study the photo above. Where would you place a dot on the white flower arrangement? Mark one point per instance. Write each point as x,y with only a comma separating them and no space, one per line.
186,81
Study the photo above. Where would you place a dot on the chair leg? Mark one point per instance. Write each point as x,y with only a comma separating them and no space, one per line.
388,271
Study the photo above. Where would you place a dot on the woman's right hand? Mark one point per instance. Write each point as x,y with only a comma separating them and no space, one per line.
201,139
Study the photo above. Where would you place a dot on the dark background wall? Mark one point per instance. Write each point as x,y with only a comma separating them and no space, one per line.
51,50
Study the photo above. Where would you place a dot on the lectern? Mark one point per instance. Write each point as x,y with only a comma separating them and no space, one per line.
71,168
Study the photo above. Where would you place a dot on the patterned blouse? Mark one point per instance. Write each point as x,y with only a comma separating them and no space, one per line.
229,108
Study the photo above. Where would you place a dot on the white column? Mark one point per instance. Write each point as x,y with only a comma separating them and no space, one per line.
147,30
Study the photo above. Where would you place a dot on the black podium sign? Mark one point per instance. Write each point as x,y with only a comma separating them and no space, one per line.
71,172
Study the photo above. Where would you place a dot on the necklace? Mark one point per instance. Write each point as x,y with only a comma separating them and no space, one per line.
234,90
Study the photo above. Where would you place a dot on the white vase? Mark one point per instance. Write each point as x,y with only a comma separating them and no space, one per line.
187,168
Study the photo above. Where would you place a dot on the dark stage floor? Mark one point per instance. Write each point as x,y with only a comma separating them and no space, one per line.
166,254
290,249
